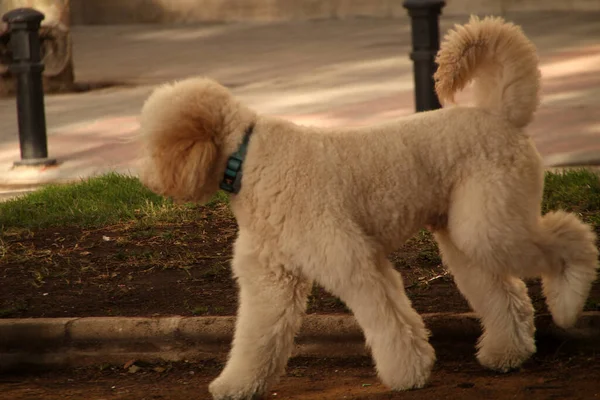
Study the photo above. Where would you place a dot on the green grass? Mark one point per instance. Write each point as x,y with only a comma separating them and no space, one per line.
113,198
95,202
576,190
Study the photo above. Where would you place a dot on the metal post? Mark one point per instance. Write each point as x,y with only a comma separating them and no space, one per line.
26,65
424,16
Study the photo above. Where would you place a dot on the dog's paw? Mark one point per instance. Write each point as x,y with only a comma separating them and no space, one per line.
235,389
412,370
504,359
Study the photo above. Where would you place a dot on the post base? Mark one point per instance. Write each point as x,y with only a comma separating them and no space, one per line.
35,162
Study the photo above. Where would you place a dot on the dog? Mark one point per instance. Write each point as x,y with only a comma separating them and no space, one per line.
328,205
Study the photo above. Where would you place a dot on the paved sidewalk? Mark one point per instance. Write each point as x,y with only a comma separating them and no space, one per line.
327,73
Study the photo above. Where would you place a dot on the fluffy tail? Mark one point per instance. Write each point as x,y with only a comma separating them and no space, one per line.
572,245
501,60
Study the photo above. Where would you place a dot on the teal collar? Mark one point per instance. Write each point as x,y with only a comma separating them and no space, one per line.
232,181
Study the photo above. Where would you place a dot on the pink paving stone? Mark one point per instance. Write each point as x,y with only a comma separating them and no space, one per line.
113,153
586,61
544,129
577,84
566,125
570,53
82,150
359,113
569,126
117,126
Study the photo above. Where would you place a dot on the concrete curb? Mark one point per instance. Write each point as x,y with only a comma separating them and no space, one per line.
84,341
579,159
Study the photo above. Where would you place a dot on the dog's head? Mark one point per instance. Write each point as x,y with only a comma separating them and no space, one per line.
189,129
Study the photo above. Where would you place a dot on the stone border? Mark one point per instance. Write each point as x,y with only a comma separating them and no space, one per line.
85,341
589,160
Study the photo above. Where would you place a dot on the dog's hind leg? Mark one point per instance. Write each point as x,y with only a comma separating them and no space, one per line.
501,302
272,303
495,233
489,244
374,292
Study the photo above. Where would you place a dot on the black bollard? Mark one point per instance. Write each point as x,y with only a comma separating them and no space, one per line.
26,65
424,16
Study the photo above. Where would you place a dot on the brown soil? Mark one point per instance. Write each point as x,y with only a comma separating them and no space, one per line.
557,371
182,269
174,269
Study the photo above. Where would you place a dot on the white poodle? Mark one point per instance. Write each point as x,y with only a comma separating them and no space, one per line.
328,205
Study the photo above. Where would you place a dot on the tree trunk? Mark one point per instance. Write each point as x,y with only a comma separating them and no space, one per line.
57,46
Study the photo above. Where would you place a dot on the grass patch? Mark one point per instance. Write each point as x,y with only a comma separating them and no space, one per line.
94,202
574,190
115,198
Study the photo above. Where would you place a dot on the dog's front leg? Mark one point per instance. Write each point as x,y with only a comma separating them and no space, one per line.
272,302
374,292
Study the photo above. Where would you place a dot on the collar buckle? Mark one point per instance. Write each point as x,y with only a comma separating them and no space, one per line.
233,177
232,180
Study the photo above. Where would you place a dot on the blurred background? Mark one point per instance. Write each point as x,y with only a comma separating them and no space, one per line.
317,62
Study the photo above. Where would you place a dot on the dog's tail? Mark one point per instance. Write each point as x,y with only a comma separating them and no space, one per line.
571,246
502,62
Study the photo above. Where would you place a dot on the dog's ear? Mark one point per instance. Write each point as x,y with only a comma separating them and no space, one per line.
181,129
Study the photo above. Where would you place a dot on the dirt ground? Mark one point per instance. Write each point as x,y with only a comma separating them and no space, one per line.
181,268
560,370
175,269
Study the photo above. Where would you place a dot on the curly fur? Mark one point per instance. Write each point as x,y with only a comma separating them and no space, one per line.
502,62
328,205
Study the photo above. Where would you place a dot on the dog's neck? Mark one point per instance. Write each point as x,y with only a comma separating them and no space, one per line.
232,180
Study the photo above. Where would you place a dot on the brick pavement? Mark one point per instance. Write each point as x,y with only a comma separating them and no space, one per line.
326,73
